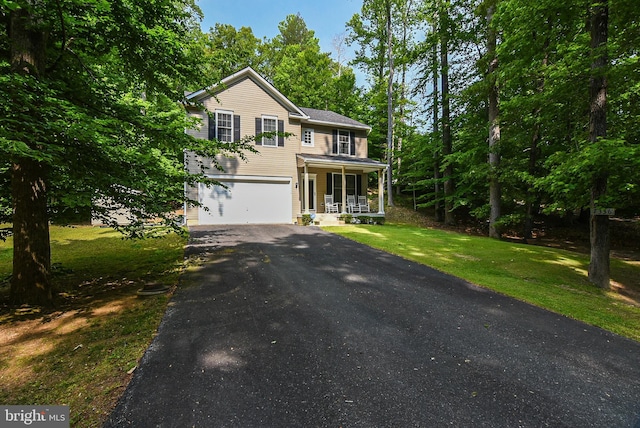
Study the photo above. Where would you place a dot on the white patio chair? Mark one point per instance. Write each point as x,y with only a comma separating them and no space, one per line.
352,207
363,204
329,205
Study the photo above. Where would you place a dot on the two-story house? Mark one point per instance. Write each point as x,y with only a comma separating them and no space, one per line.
288,177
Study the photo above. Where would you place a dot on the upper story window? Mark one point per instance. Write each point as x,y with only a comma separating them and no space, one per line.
224,126
344,142
307,137
269,124
224,121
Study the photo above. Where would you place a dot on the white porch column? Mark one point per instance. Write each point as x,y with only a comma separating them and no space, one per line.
381,191
344,192
305,197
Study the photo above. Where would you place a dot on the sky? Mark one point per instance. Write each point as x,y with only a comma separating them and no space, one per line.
327,18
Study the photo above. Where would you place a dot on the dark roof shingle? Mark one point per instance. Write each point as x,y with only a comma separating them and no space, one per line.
331,117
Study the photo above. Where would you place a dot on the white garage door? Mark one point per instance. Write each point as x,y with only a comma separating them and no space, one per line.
261,200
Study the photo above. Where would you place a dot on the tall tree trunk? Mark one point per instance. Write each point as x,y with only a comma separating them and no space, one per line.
403,90
599,269
449,188
31,279
402,123
389,107
495,191
438,208
531,203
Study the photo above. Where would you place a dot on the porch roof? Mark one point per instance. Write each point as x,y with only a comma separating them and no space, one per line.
329,161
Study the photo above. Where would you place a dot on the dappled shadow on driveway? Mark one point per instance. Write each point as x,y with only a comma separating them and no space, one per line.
293,326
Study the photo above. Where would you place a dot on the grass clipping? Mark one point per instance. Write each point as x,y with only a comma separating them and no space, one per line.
84,353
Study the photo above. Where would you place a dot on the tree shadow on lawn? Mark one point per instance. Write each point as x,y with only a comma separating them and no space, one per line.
78,354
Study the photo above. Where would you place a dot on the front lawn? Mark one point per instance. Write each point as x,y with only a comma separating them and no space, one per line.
550,278
83,353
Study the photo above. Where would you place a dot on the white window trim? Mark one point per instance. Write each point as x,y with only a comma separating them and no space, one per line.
229,112
348,153
304,143
276,130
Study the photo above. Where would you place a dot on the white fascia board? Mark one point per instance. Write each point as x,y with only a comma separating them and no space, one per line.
322,163
338,125
261,81
302,118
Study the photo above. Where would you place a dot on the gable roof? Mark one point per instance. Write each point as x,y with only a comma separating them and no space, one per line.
327,117
250,73
305,115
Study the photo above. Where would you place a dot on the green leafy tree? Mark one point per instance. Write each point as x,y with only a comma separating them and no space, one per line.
382,33
227,50
89,94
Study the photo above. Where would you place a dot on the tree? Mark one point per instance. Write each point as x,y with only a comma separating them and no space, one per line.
390,108
447,144
304,74
228,50
89,112
495,193
599,225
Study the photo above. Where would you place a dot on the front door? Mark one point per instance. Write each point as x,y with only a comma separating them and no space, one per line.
309,199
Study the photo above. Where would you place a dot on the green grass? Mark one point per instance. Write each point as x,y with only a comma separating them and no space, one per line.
80,353
550,278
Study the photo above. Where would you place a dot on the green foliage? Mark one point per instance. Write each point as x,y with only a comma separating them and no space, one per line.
544,67
306,219
105,118
572,174
228,50
292,61
347,218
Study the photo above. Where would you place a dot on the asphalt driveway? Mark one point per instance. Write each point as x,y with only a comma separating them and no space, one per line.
287,326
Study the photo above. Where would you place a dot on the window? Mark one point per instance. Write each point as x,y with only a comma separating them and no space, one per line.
224,121
307,137
343,143
270,124
337,186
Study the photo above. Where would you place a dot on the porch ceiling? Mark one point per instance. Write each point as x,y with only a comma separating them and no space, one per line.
328,161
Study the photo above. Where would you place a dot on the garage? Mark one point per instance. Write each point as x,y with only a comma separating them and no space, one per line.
247,200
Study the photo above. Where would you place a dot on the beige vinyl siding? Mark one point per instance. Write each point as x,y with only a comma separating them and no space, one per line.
249,101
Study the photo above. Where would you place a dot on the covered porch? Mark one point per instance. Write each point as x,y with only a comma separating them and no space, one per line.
339,177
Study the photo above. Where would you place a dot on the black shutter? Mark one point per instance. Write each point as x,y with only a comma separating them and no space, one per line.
281,137
335,141
352,137
236,128
329,183
258,130
212,126
359,179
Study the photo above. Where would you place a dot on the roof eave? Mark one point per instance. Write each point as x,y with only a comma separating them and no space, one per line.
323,163
261,81
338,124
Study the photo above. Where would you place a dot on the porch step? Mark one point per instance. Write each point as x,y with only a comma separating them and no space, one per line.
327,220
